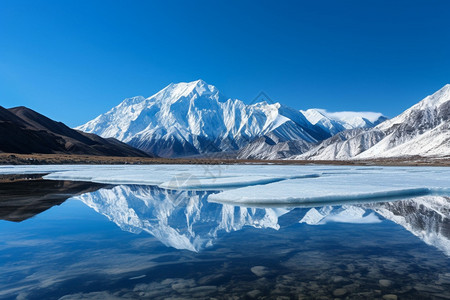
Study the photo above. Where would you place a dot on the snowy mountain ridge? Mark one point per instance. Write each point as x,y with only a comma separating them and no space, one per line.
422,130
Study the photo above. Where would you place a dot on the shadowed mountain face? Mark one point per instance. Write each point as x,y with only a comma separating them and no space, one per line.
23,199
25,131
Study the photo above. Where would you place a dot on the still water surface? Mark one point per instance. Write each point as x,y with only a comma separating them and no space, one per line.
132,241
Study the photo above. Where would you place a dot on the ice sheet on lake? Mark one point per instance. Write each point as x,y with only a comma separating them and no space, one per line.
176,177
192,182
266,184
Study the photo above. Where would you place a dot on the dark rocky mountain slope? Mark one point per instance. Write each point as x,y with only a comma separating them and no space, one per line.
25,131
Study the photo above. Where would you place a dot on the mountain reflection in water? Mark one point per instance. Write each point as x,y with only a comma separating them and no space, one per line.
179,219
186,220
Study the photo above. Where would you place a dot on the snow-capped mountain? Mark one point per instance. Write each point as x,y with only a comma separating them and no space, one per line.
195,118
422,130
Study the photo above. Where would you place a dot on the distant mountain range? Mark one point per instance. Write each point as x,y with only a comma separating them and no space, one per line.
269,147
194,118
422,130
25,131
335,122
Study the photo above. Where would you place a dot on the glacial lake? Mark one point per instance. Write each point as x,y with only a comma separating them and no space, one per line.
63,239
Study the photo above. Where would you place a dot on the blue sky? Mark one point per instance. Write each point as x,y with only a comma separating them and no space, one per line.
73,60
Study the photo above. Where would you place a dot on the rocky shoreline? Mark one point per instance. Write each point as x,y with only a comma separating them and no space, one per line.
49,159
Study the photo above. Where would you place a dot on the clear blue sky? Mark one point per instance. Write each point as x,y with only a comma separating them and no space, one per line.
73,60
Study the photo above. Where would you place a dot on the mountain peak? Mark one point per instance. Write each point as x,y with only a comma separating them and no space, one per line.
199,82
444,91
436,99
175,91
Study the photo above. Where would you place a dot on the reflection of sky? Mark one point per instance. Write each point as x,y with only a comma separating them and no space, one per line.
73,247
65,243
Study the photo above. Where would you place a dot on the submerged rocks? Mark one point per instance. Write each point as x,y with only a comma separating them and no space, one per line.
390,297
340,292
337,279
444,278
259,271
385,282
254,293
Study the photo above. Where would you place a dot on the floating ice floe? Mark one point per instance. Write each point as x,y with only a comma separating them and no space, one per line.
180,177
351,188
191,182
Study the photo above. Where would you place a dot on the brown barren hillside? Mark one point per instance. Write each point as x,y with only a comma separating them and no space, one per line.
25,131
